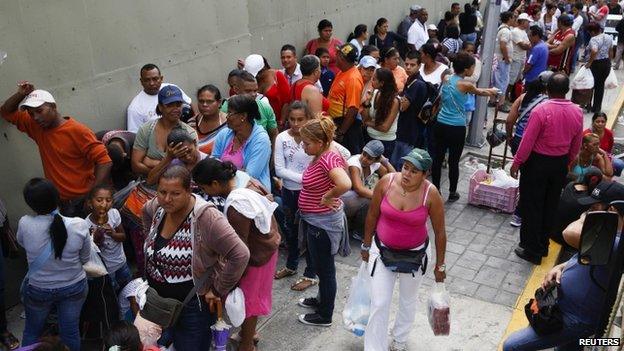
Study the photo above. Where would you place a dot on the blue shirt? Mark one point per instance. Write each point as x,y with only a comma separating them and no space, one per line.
538,58
452,103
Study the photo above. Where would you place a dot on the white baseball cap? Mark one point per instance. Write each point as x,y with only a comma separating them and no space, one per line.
37,98
432,27
524,17
368,61
254,63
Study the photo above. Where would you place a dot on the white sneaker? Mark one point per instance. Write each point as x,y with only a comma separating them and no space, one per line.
398,346
516,221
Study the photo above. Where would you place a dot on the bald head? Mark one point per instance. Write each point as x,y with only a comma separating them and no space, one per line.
558,85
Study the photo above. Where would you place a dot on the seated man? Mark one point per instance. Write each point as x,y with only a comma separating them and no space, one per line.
581,299
143,107
364,170
73,159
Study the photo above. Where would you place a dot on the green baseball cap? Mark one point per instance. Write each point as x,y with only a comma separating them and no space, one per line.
419,158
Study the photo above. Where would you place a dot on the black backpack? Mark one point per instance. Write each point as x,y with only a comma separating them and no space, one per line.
432,103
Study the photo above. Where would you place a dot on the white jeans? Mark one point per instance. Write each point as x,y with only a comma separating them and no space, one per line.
382,285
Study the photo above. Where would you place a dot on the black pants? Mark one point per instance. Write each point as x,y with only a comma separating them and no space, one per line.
541,180
451,138
354,137
600,69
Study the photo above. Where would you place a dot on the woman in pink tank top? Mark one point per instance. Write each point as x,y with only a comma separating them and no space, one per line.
398,213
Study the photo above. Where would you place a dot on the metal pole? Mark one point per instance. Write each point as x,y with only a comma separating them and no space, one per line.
488,42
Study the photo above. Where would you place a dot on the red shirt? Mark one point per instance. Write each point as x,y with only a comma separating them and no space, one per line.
312,45
562,61
298,87
68,152
606,142
316,182
278,94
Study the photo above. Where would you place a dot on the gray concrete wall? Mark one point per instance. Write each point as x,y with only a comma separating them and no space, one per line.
88,53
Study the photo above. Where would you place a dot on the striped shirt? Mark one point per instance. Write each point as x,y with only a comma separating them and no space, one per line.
316,182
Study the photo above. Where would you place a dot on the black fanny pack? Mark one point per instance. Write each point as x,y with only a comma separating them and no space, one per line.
543,311
402,261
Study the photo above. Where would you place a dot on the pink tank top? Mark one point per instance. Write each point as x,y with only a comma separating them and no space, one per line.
236,157
402,230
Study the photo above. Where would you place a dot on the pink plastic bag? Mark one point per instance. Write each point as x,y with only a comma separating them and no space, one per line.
439,310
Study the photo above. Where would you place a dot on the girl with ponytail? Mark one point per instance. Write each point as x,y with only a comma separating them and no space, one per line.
358,37
56,248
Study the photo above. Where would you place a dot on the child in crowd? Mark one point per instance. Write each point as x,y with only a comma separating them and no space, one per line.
108,234
128,305
124,336
327,76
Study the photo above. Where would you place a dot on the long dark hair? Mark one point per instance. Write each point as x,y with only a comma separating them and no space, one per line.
43,198
245,104
380,23
125,335
357,32
387,93
210,169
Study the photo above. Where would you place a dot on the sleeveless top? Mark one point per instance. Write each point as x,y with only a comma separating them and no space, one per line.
374,133
525,111
298,87
580,170
402,230
562,61
452,103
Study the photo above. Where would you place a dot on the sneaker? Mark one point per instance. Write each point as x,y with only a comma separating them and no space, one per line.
398,346
314,319
308,302
516,221
453,197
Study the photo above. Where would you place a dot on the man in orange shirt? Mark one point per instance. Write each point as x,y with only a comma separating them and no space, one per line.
73,159
345,97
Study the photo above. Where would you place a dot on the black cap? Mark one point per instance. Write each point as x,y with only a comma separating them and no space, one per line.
349,52
605,192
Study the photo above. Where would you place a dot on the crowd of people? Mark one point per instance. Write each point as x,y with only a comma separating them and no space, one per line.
196,195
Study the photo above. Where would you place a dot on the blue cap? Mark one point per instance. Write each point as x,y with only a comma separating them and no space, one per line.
169,94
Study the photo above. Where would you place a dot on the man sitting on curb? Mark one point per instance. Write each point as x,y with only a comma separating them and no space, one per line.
581,299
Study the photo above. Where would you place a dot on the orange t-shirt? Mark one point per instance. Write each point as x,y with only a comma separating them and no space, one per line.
400,77
68,152
345,92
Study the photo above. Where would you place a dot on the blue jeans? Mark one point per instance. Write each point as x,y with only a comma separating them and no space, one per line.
564,340
290,201
501,76
319,247
192,330
121,277
471,37
67,302
401,149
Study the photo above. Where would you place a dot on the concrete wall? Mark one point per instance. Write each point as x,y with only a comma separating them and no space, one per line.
88,53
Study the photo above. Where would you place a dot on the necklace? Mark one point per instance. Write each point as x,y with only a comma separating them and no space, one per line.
405,192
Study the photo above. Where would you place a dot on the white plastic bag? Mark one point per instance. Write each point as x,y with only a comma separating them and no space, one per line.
357,310
439,310
502,180
149,332
584,79
235,307
611,82
95,267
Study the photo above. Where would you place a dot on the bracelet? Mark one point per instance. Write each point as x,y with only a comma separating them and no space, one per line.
364,247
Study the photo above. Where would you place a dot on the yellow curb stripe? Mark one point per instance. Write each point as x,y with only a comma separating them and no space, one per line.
612,116
518,318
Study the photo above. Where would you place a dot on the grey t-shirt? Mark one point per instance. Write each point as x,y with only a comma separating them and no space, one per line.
146,139
33,234
111,250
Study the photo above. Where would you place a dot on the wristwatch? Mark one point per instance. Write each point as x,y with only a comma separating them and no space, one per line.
364,247
441,268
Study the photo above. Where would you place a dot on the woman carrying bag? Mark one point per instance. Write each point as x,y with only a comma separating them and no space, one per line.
193,258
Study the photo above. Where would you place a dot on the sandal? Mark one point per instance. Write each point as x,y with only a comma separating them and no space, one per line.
284,272
9,340
237,338
303,283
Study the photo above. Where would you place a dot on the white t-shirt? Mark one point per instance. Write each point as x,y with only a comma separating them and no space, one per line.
518,36
290,160
354,161
130,290
503,35
417,34
357,44
112,251
143,108
434,77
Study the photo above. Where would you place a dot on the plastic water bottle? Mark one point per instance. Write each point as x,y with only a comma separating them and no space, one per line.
358,329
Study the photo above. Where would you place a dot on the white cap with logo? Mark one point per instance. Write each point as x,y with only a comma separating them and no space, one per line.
37,98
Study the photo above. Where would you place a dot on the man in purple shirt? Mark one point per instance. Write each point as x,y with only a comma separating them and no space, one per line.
551,140
538,56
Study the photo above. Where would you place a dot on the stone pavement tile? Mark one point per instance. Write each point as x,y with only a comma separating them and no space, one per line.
481,229
467,219
490,276
493,220
472,260
485,293
455,248
479,243
506,298
510,266
463,286
498,247
462,236
514,283
462,272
